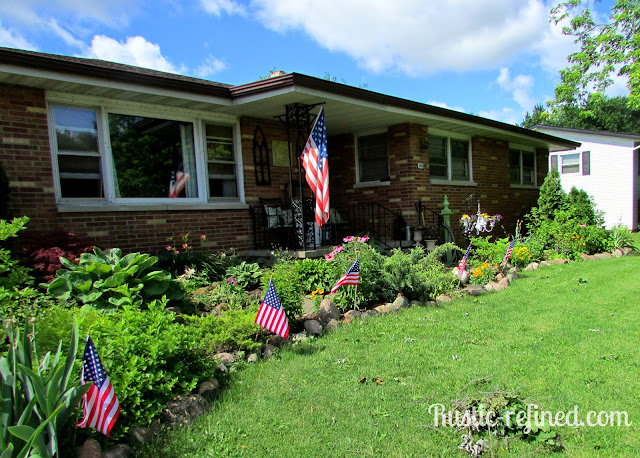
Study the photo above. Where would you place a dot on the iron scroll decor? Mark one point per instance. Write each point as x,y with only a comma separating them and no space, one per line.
261,157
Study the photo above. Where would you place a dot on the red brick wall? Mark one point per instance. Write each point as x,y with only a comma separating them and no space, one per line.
25,154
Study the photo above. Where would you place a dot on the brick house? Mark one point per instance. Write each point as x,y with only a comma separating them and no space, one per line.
101,148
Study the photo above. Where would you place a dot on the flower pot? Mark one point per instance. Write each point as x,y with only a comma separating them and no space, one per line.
417,236
431,244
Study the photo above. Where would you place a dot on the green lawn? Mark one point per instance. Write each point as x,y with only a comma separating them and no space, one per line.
562,336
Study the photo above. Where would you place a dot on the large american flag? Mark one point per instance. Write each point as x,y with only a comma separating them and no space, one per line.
509,250
463,264
101,406
316,167
352,277
271,316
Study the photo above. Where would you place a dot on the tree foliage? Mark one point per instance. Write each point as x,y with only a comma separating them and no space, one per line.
606,49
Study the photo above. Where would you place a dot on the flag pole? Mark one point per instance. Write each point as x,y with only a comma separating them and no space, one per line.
355,297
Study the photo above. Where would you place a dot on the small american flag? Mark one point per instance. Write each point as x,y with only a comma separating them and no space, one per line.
101,406
177,183
271,316
352,277
316,167
463,264
509,250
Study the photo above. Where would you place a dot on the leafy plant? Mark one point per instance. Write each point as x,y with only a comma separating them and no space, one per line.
483,273
621,238
234,329
316,274
224,292
108,279
246,275
288,285
552,196
36,397
11,272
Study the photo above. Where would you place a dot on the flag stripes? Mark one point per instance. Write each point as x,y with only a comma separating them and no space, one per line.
316,167
271,315
351,277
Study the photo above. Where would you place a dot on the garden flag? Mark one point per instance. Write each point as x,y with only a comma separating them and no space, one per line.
316,167
509,250
271,316
463,264
352,277
177,183
101,406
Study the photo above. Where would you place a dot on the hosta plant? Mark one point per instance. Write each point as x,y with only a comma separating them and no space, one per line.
109,280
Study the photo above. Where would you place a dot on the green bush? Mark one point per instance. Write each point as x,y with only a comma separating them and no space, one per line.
621,238
234,329
316,274
108,280
12,274
27,302
148,356
246,275
224,292
288,284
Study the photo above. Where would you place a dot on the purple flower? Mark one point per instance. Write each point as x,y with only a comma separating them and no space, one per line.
232,281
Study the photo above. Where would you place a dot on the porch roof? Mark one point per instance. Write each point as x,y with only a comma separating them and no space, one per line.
349,109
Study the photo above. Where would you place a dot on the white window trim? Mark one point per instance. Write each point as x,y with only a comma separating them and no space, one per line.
369,184
521,185
104,106
449,180
579,171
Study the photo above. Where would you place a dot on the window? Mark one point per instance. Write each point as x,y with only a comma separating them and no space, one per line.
522,167
102,154
571,163
373,158
221,161
449,158
78,155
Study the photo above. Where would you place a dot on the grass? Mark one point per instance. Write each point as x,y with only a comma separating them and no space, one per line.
562,336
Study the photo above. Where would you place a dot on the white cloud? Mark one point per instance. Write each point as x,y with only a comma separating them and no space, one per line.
135,51
115,13
506,114
445,105
519,86
217,7
208,67
10,39
553,48
414,36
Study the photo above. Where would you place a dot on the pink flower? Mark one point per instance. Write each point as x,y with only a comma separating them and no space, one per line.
169,248
176,252
349,239
363,239
338,249
329,257
232,281
185,246
583,225
203,237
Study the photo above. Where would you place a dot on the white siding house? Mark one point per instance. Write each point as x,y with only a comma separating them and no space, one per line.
606,166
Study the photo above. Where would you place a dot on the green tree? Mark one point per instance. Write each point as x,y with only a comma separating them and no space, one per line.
552,196
612,47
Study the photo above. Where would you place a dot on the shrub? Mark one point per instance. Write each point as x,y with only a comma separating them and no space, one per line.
108,279
43,252
287,282
11,272
583,208
224,292
621,238
234,329
246,275
23,303
552,196
481,274
316,274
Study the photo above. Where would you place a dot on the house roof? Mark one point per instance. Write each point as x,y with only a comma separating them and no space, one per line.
352,109
605,133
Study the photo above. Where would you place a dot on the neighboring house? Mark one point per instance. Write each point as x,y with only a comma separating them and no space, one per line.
606,166
132,156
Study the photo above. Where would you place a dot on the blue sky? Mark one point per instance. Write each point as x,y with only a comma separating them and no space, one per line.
494,58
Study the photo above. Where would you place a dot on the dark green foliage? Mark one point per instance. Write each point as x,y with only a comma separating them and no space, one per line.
581,206
552,196
23,303
108,280
223,292
288,284
246,275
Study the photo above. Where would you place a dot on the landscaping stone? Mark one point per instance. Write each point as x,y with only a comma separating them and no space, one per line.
225,358
382,309
474,290
351,315
313,327
491,286
183,410
499,276
545,263
267,351
276,340
209,388
90,449
118,451
223,368
415,303
627,250
514,269
513,276
401,301
175,309
253,358
328,311
443,299
372,312
617,253
587,257
431,303
559,261
532,266
140,435
392,307
602,256
332,325
502,284
307,306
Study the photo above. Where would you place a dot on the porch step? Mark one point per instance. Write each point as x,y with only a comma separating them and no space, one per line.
300,254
